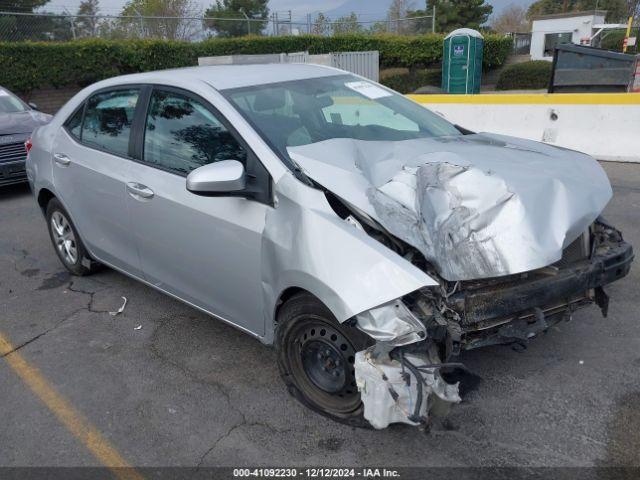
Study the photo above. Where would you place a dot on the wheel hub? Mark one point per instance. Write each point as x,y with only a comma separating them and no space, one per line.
324,365
327,360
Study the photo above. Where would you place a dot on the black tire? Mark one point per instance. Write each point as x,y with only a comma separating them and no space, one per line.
81,264
315,358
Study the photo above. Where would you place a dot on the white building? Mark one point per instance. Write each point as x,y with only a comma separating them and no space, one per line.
580,28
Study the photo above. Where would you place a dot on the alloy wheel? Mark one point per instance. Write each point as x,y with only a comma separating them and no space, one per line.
64,238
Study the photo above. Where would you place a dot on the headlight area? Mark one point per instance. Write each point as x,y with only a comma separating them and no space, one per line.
399,377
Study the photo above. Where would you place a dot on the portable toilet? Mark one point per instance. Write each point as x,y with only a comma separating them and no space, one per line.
462,61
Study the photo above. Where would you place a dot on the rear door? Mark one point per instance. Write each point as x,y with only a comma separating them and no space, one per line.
204,249
91,167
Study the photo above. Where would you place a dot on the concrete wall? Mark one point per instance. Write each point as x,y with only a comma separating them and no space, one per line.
580,27
604,125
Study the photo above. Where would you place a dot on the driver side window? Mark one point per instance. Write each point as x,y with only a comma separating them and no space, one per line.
181,134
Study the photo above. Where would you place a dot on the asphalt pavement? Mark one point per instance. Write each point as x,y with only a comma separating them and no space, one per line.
164,385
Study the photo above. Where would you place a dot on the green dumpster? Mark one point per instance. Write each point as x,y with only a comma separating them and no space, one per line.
462,61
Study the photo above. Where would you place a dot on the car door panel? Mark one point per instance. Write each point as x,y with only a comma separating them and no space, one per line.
91,183
203,249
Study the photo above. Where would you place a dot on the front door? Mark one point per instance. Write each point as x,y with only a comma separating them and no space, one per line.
205,250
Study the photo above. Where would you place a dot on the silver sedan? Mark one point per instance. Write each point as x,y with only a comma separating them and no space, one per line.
366,237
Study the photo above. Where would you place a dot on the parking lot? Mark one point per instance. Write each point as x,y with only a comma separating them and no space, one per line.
161,384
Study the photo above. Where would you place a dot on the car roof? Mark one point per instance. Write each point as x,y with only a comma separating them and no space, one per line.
223,77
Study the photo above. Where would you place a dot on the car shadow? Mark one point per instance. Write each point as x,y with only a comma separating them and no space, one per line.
14,191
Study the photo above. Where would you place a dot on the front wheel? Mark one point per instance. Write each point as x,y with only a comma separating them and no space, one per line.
316,356
66,241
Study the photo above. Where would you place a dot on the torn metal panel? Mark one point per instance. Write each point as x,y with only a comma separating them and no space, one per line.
314,249
476,206
392,393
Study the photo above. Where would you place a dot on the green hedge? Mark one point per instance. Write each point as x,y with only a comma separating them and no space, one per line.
527,75
27,66
409,82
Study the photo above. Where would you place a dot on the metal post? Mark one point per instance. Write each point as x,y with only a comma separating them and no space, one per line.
141,22
308,23
626,38
433,19
276,23
73,25
248,21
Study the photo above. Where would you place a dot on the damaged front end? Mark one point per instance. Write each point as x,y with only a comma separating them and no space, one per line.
400,377
507,229
516,308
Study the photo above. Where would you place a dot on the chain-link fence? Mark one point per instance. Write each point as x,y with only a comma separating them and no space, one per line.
64,27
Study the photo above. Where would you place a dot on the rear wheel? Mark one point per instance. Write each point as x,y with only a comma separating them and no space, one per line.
316,357
66,241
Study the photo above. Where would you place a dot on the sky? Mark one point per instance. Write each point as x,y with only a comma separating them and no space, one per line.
299,7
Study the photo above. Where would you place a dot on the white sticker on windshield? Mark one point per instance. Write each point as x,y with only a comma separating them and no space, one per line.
367,89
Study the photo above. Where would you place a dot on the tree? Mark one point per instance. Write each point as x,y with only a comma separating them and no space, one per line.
513,19
421,21
379,27
229,17
452,14
346,24
178,26
86,25
633,8
321,25
397,16
616,9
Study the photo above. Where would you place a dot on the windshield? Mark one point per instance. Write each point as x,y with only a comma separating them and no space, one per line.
301,112
9,103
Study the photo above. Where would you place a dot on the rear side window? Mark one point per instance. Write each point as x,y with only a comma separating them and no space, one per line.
74,123
107,120
181,134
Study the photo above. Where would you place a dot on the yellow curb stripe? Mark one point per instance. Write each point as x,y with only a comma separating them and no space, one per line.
533,99
73,420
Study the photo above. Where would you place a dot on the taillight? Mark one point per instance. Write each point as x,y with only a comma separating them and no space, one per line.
28,144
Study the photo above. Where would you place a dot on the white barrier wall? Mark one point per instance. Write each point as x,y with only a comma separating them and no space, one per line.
606,126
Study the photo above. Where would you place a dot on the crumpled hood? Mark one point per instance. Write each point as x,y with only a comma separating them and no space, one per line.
476,206
22,122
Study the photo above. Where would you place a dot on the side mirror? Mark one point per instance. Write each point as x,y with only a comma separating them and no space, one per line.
33,105
218,177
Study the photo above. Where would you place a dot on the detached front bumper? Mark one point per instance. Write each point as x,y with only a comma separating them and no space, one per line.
517,311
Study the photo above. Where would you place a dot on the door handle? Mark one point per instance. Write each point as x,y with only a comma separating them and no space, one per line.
138,191
61,159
